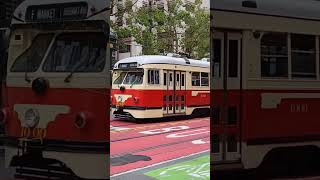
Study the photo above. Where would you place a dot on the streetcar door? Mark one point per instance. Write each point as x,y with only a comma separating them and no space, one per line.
179,91
183,92
226,91
168,98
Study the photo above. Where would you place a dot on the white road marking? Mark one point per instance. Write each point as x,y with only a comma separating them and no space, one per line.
156,164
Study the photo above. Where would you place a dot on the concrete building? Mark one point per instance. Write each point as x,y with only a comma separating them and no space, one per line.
132,48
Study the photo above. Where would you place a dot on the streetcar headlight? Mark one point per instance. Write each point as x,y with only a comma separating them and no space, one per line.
136,99
80,120
31,118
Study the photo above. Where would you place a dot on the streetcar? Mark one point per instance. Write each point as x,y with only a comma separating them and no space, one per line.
265,78
57,90
157,86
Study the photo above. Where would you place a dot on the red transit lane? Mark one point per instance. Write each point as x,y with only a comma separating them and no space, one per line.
156,142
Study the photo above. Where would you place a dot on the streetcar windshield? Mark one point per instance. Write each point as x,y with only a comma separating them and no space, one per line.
129,78
77,52
30,60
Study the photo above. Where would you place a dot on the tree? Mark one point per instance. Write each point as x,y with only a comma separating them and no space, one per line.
160,29
196,37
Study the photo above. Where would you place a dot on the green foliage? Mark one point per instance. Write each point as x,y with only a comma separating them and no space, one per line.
159,30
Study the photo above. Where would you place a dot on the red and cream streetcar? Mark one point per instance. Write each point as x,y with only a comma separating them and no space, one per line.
57,90
265,83
158,86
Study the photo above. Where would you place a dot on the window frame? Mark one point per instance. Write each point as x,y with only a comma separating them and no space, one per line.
295,75
277,56
155,81
51,49
43,58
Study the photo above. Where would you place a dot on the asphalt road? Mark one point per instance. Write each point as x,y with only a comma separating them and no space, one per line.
172,149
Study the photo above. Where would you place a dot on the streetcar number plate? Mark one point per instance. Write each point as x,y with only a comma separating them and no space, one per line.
37,133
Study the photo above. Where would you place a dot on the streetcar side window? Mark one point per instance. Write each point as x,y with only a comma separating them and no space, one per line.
195,79
303,53
153,77
165,79
31,59
204,79
182,79
216,58
274,55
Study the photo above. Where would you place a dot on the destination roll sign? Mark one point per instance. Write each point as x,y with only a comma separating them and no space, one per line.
57,12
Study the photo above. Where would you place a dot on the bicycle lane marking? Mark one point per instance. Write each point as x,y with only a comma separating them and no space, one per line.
163,154
196,169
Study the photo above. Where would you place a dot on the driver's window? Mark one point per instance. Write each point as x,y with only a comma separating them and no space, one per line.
77,52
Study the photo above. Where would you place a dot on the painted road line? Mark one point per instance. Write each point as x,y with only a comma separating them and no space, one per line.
161,154
136,131
135,126
116,128
131,146
192,170
157,164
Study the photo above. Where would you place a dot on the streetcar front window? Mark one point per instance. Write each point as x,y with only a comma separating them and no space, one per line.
77,52
120,78
133,78
129,78
30,60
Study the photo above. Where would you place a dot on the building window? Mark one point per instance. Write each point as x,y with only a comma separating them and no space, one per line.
153,77
204,79
195,79
125,48
274,55
303,57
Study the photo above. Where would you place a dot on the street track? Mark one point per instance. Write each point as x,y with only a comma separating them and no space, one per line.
156,142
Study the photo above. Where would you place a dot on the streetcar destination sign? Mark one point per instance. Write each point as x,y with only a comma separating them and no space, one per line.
57,12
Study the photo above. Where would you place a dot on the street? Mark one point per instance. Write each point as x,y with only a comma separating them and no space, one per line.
163,150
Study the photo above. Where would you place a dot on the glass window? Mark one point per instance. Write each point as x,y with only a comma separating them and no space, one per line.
129,78
204,79
156,76
274,55
195,79
31,59
216,66
303,56
153,77
119,80
232,143
77,52
133,78
233,58
215,145
182,79
165,79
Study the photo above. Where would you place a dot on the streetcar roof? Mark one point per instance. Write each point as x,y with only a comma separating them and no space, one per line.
99,6
304,9
157,59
